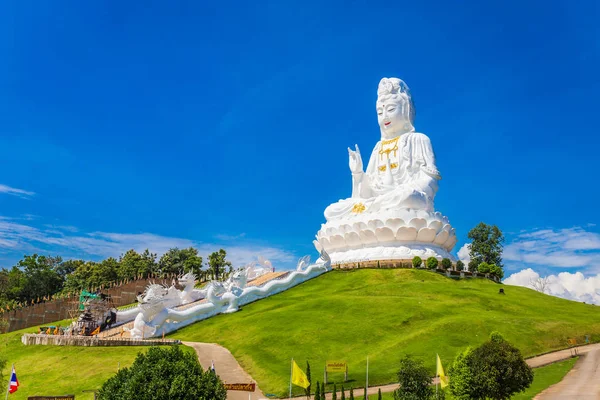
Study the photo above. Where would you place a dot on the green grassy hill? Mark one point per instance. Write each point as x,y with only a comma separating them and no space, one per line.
60,370
383,314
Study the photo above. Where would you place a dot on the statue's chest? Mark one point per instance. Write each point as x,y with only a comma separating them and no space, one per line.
392,150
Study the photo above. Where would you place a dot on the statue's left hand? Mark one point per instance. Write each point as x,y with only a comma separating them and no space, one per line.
356,164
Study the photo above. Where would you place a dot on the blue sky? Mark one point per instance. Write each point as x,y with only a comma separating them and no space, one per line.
160,124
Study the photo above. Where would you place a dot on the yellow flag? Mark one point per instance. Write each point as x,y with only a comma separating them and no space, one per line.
298,376
440,373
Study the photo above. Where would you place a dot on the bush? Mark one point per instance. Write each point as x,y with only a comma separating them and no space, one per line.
414,380
164,373
460,266
496,271
484,268
473,265
446,263
416,262
432,263
494,370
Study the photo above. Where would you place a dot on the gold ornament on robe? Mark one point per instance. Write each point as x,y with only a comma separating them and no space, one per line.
384,167
387,146
358,208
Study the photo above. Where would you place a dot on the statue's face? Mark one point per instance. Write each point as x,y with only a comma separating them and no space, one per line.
391,118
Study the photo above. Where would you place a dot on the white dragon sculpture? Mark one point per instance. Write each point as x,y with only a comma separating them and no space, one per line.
221,297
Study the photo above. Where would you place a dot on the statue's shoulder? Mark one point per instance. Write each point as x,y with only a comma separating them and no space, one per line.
418,137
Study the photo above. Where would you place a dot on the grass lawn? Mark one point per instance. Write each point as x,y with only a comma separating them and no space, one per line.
384,314
59,370
544,377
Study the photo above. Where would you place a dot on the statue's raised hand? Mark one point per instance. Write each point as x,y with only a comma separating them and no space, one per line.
356,164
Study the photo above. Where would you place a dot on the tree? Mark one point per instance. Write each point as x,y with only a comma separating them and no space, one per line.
334,393
432,263
487,244
495,370
104,273
417,261
217,263
128,265
460,266
446,264
176,261
496,271
134,264
318,392
414,380
307,390
164,373
461,380
41,276
484,268
540,284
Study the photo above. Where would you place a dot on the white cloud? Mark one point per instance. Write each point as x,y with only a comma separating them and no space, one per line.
224,236
563,248
464,254
571,286
16,192
16,236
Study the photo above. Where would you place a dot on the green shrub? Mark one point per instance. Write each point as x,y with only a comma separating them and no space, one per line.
495,370
496,271
416,262
414,380
165,373
446,263
484,268
460,266
432,263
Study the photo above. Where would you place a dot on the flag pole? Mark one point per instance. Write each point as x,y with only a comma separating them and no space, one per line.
291,371
367,382
437,375
9,378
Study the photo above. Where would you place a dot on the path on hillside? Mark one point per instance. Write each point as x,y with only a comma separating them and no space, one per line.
582,382
585,375
226,367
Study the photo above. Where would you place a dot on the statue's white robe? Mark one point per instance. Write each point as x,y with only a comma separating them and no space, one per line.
413,180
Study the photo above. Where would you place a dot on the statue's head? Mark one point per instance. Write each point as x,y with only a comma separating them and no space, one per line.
395,108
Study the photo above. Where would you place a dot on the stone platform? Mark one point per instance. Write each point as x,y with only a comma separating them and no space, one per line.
90,341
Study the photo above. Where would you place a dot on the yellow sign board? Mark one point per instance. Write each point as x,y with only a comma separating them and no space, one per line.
336,366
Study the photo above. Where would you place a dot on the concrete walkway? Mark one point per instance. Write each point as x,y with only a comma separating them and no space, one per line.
226,367
582,382
583,379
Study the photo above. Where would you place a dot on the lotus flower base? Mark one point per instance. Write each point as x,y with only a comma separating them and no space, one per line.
393,235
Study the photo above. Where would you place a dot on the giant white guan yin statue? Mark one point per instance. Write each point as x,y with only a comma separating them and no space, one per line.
390,214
